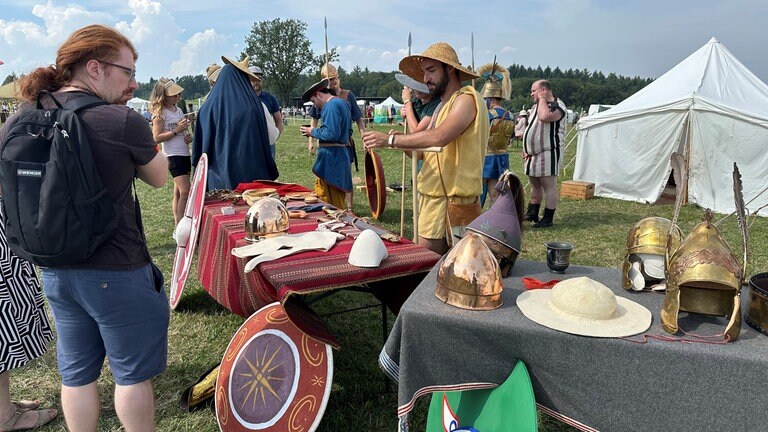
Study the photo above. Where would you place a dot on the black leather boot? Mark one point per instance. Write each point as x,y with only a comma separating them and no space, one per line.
532,214
546,220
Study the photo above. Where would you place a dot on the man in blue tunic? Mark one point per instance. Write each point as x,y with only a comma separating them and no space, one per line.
333,182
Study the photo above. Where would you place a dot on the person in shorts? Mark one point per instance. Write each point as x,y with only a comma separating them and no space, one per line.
170,129
110,305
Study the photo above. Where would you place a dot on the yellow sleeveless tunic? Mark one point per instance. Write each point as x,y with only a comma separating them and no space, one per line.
461,161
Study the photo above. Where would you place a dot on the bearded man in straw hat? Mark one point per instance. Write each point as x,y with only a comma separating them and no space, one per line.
451,178
333,181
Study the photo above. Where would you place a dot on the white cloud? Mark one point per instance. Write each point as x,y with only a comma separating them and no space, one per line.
197,53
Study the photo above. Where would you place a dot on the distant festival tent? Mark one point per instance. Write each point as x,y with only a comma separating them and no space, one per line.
9,91
710,108
381,111
138,104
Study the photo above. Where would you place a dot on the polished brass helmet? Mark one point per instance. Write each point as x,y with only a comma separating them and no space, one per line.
703,277
267,217
468,277
498,85
328,71
649,236
492,89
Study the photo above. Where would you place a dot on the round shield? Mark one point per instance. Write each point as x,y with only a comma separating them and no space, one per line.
186,231
273,376
375,185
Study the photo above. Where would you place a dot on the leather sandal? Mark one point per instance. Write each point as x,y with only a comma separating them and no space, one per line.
26,405
44,416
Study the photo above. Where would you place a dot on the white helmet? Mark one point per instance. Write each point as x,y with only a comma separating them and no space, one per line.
368,250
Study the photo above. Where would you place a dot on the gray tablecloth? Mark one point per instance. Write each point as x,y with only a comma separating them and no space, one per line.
608,384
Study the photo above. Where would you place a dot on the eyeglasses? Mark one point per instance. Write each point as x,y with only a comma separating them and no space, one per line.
131,72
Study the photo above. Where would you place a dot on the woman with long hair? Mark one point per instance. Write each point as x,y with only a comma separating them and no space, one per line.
169,128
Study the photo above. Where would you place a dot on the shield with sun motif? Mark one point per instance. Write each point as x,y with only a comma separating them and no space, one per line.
273,376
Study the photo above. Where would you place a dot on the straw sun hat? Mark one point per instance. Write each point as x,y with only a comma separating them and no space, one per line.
242,65
170,88
441,52
583,306
411,83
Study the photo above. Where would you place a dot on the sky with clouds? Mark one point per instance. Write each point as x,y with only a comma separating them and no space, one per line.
182,37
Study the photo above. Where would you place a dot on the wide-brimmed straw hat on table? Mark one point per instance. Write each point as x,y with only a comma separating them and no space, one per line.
583,306
242,65
441,52
323,83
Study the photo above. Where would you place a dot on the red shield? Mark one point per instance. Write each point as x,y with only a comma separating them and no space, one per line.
375,184
273,376
185,250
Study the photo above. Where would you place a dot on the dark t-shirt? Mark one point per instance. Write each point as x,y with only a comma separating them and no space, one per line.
269,101
424,109
121,141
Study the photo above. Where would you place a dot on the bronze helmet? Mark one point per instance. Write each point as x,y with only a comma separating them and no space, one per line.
492,89
501,226
328,71
267,217
468,277
649,236
703,276
498,85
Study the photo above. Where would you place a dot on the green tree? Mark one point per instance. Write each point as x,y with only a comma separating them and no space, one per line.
282,50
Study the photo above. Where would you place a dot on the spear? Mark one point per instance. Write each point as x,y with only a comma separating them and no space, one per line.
402,178
472,47
325,29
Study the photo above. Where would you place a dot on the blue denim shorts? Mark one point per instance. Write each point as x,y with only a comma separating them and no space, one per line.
117,314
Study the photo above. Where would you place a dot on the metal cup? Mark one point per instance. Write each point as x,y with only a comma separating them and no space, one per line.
558,255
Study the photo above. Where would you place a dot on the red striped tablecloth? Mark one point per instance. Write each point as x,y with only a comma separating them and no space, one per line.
221,273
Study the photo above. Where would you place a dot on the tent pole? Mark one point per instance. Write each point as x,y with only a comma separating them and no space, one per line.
687,159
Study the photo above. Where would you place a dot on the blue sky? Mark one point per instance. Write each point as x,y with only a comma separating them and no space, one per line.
182,37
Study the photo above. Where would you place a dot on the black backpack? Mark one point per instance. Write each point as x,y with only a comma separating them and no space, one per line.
57,210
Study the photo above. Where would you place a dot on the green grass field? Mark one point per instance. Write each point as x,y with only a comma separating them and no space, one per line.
361,400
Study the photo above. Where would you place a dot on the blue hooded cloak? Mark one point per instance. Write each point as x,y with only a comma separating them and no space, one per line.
232,130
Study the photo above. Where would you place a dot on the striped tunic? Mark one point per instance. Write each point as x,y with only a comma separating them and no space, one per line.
544,143
24,327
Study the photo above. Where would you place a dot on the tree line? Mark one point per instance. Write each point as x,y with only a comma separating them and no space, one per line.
577,88
281,48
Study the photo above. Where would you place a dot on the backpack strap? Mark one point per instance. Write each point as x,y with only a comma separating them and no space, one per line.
50,96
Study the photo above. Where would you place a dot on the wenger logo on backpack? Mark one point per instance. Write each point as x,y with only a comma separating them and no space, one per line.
56,207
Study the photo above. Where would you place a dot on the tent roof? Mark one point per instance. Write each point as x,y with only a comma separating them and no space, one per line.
8,91
710,78
389,101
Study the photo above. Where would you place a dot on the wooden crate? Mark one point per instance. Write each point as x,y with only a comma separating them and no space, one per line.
577,189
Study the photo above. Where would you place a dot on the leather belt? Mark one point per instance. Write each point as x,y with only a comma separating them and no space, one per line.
325,144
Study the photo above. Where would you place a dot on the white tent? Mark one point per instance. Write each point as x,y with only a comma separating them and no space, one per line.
138,104
598,108
381,111
710,107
